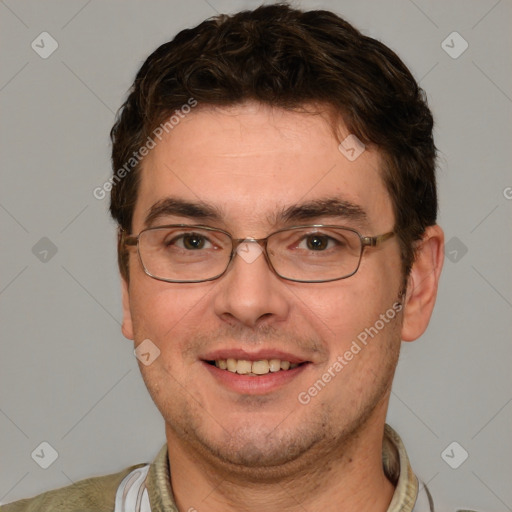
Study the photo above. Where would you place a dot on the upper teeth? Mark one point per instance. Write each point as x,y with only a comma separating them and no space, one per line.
261,367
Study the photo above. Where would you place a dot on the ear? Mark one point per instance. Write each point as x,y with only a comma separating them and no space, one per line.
422,283
127,327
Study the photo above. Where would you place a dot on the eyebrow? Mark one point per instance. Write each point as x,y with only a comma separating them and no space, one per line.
308,211
174,206
325,207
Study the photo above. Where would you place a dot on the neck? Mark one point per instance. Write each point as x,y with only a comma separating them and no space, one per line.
348,477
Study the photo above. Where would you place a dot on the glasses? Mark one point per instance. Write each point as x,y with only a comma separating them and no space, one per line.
181,253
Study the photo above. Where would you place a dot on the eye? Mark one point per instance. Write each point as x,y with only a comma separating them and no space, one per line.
190,242
316,242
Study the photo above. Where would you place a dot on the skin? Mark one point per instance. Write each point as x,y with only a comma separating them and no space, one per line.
235,451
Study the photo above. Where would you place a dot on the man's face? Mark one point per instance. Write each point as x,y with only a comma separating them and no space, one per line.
250,164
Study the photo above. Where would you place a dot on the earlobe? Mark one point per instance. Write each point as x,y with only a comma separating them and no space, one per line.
127,326
422,284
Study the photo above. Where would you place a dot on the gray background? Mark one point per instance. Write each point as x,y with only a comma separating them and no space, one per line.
68,377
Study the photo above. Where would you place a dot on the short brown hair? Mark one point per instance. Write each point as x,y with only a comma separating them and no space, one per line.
288,58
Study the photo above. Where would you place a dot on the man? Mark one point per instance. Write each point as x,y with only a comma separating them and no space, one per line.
274,186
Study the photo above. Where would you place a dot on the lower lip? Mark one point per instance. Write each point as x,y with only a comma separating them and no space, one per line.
254,385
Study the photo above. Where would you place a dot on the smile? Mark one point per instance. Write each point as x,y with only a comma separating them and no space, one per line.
253,368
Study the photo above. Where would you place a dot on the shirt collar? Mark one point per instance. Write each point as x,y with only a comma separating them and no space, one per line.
398,470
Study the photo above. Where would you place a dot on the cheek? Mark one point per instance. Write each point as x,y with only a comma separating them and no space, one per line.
162,311
341,310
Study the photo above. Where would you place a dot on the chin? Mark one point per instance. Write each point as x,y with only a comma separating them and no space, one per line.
260,455
256,448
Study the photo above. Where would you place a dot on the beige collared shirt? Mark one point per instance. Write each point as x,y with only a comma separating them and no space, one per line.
99,494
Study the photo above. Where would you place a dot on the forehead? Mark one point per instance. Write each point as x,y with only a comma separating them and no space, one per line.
250,162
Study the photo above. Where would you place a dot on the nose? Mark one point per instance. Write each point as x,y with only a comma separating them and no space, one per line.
250,293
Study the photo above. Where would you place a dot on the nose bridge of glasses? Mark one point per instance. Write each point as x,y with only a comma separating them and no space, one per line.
250,249
237,242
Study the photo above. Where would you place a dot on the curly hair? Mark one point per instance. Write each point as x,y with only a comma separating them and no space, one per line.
288,58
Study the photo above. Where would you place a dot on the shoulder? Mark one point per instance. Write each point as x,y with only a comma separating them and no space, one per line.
90,495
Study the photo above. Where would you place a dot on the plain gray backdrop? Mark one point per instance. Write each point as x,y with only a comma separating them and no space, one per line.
69,378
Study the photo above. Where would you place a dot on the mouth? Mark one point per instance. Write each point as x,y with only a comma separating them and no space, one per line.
254,368
254,373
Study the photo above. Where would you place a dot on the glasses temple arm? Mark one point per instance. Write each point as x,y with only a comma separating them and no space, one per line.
372,241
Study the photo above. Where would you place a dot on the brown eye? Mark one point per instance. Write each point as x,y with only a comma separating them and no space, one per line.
317,242
188,242
193,241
